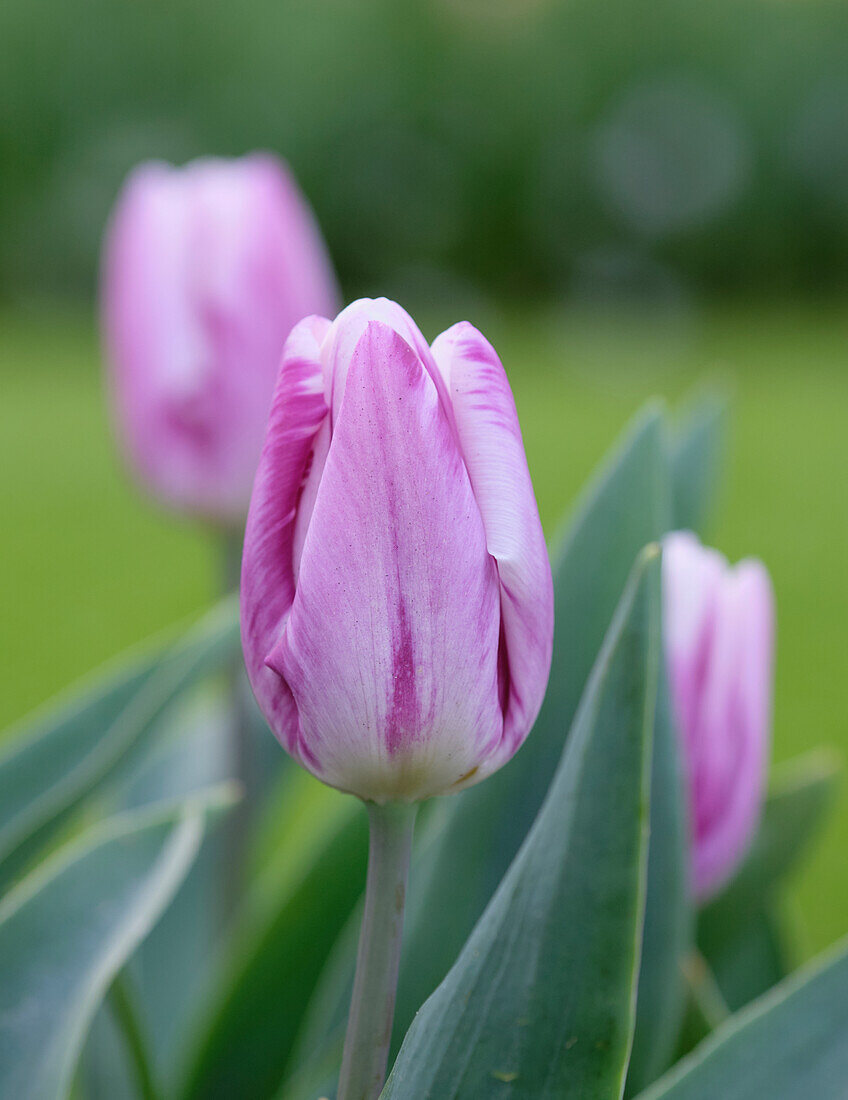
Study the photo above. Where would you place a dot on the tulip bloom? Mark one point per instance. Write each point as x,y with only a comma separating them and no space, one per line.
206,270
719,633
397,603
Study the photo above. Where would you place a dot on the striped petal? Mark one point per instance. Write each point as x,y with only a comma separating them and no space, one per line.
692,580
391,647
734,728
490,438
347,331
268,580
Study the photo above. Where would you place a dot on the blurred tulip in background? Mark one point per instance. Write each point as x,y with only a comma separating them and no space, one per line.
206,269
719,637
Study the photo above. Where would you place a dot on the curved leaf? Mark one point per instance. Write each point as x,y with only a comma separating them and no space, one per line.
249,1026
459,870
467,847
696,451
69,927
669,915
45,775
542,998
791,1043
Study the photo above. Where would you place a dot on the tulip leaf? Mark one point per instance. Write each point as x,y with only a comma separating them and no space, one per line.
461,856
696,452
247,1031
791,1043
317,1054
695,447
46,773
669,916
68,928
541,1001
738,933
189,750
459,870
36,760
748,957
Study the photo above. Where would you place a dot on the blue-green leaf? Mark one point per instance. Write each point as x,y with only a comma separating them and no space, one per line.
541,1000
790,1044
459,869
465,849
696,452
246,1033
68,928
669,915
47,772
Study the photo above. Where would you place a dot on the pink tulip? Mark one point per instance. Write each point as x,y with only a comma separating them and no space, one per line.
719,638
397,603
206,270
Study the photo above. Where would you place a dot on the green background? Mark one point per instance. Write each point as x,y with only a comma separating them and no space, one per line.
92,567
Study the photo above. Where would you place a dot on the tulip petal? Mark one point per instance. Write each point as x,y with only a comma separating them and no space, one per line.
206,269
347,331
267,583
692,579
490,438
391,647
734,730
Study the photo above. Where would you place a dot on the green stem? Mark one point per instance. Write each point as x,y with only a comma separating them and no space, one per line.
372,1006
122,1002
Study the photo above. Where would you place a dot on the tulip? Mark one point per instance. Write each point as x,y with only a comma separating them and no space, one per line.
206,270
397,602
397,608
718,625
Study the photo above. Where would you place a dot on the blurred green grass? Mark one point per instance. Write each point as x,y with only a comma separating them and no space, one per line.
91,567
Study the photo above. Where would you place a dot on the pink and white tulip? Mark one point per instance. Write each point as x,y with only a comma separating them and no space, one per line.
206,270
719,640
397,602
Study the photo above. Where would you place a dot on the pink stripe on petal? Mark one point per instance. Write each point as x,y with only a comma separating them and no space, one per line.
347,331
490,438
391,647
267,583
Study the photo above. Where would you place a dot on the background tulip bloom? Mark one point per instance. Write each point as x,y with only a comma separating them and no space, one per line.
719,637
206,270
397,605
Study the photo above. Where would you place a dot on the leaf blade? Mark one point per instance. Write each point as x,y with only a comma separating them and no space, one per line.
542,996
456,877
243,1042
128,712
669,916
695,451
793,1042
67,929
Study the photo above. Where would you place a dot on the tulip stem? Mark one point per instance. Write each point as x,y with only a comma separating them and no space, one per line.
372,1006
